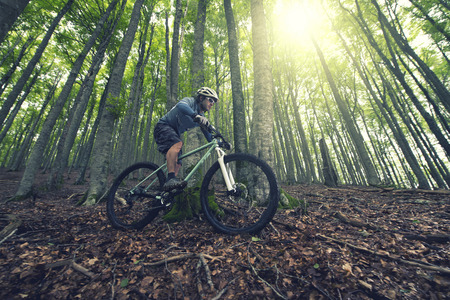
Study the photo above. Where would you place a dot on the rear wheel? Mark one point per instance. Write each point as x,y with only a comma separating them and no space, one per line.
252,203
134,195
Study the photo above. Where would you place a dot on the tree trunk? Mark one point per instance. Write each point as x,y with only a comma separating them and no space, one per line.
18,87
430,19
261,143
285,143
280,172
175,58
309,166
329,173
20,157
9,11
7,77
357,139
441,91
9,121
195,138
35,160
125,140
147,108
111,112
391,121
86,154
239,122
395,69
401,138
168,62
81,102
156,85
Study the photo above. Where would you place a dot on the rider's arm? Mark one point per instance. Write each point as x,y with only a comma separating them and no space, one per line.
186,109
207,134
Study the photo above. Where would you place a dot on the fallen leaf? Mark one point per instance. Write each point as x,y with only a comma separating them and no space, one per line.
348,268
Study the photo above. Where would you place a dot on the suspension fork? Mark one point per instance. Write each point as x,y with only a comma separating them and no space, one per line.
226,170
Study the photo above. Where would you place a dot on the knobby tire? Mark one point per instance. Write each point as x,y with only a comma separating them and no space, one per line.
253,203
126,211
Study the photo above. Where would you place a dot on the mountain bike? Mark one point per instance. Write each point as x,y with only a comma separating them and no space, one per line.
238,194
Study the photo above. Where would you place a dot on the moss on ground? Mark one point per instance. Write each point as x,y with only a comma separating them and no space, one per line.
289,202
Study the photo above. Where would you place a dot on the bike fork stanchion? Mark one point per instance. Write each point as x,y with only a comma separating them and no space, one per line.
226,172
230,176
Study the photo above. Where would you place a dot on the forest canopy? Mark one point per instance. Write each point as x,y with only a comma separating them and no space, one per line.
347,91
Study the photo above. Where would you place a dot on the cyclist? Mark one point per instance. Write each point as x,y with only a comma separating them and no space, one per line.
185,115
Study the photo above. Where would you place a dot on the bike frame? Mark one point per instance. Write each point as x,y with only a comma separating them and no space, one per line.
211,146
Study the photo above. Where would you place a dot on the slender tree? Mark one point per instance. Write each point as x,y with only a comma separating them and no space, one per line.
68,137
18,86
35,160
195,137
441,91
18,104
126,140
111,112
6,78
357,139
239,122
174,57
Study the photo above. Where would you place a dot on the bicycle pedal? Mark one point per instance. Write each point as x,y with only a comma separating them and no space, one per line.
178,189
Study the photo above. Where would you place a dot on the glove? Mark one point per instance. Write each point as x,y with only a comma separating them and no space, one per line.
225,145
201,120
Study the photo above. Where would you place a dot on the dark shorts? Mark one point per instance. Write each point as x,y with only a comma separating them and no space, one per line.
165,137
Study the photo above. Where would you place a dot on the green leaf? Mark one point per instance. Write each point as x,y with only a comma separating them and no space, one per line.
124,283
316,266
255,239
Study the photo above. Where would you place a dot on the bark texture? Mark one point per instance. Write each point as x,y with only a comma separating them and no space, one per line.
261,136
112,111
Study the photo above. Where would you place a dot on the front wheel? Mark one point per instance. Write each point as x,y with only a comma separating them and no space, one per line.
133,196
252,202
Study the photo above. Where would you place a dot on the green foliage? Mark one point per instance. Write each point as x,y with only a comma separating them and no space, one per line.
124,283
296,75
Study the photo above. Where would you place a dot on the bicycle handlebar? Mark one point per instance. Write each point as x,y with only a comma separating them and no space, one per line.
217,135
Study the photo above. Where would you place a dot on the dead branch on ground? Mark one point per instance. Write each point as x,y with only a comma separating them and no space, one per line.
387,255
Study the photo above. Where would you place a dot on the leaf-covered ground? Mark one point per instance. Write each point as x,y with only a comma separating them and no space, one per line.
353,243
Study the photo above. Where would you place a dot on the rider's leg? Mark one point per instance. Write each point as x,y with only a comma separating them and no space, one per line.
172,158
177,168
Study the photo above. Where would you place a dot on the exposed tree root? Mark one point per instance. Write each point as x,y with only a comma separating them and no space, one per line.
11,228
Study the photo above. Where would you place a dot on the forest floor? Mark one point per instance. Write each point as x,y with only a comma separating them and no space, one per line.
353,243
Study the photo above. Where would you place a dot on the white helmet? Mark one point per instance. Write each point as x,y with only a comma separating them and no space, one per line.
206,91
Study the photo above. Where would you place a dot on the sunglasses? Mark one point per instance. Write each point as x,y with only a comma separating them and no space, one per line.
211,100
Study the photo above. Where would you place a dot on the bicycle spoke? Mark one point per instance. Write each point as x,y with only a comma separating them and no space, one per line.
132,198
252,202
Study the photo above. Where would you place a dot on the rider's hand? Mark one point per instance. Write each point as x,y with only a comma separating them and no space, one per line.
201,120
225,145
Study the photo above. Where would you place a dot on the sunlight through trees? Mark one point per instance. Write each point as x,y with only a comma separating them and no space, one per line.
370,79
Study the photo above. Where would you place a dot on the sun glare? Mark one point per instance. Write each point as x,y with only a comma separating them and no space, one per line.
297,19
